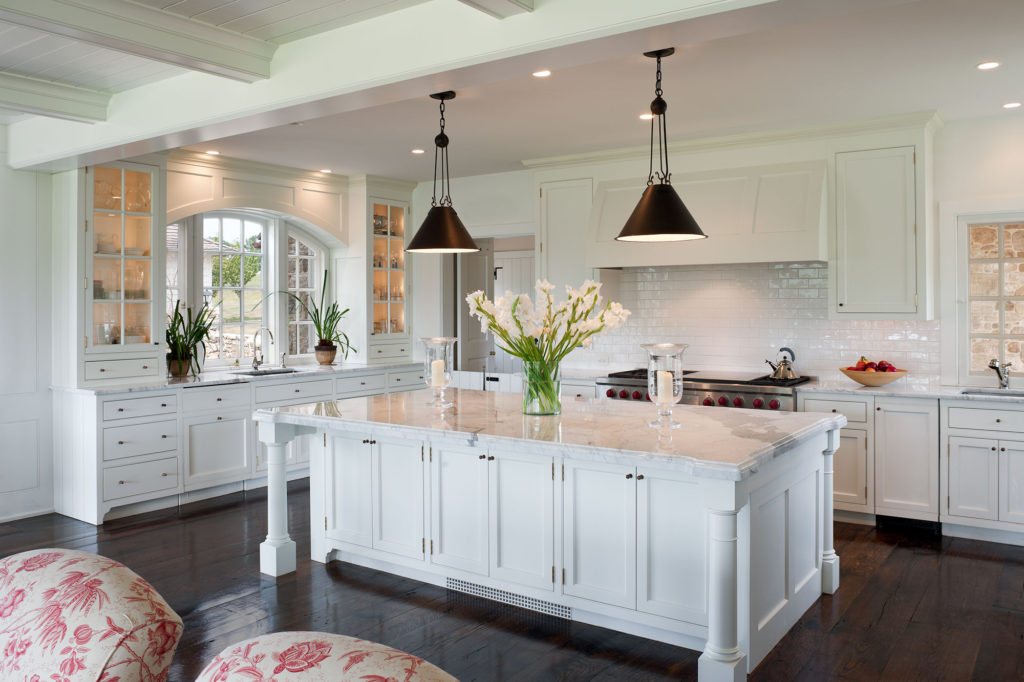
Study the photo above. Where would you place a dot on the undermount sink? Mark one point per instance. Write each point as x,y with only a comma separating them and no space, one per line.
1007,392
266,372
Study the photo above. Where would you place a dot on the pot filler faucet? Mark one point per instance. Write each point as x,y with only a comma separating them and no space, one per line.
257,360
1002,371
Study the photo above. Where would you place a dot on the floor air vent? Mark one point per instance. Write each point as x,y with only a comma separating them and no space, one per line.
506,597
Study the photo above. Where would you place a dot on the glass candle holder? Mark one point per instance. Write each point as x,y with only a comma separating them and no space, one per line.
437,367
665,380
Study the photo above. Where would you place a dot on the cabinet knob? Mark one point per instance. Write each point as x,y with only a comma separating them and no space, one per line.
296,390
102,370
993,448
373,442
482,457
400,378
362,383
840,305
629,475
120,409
220,418
833,409
120,482
998,420
163,404
1002,449
639,477
163,435
878,409
121,442
401,350
145,367
490,458
219,399
165,474
366,440
379,350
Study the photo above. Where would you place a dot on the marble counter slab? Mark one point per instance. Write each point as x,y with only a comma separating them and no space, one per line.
231,376
714,443
907,387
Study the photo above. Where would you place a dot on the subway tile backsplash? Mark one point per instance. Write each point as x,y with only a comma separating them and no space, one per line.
735,316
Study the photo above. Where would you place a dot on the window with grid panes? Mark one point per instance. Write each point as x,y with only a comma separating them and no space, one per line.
173,269
302,282
233,283
995,295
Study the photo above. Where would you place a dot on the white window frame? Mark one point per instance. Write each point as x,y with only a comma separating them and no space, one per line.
285,230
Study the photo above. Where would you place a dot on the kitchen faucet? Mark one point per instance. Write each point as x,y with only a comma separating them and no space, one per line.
257,360
1002,371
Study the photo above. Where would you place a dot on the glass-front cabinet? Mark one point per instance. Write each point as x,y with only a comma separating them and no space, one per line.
388,266
120,263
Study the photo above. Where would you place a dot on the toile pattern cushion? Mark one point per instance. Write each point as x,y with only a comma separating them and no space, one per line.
317,657
70,616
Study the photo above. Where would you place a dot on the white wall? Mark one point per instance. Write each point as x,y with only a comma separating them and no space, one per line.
980,158
26,462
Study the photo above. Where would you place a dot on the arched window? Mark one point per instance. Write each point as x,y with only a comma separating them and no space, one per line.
304,272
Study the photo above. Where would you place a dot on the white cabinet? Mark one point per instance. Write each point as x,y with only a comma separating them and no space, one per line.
398,495
853,481
973,478
1011,481
564,218
459,509
521,519
347,486
217,448
906,458
880,257
578,389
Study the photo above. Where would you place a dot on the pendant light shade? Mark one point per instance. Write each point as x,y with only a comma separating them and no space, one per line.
442,231
661,215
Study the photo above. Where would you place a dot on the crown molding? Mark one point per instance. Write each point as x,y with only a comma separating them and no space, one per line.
226,163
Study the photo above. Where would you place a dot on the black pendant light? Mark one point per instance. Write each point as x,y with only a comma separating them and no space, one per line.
442,231
660,216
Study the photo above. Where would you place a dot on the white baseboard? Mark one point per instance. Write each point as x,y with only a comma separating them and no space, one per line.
854,517
1005,537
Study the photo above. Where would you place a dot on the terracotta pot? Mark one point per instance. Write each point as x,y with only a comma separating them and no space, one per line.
178,368
325,354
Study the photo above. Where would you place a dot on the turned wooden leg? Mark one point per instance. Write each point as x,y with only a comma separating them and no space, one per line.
722,660
829,558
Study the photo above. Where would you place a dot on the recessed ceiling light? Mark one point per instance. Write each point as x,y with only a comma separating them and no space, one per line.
988,66
544,73
212,152
646,117
417,151
325,170
1011,105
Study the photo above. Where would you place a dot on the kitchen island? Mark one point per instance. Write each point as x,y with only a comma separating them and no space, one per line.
715,536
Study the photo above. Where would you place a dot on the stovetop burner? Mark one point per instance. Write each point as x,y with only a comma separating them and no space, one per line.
639,374
767,380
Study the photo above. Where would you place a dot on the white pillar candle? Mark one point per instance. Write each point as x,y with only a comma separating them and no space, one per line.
437,373
665,387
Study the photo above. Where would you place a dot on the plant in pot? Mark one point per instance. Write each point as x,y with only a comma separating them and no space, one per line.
326,319
185,334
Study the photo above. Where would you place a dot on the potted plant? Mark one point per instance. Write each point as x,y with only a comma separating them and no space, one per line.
185,333
326,320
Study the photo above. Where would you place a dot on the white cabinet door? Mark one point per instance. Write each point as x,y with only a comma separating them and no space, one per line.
398,498
217,449
348,478
907,458
1011,481
522,520
599,516
564,225
672,561
973,477
850,482
458,520
876,236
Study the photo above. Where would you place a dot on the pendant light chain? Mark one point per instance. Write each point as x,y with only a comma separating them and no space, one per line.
441,154
659,108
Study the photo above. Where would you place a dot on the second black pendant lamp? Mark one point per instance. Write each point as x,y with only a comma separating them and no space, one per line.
660,216
442,231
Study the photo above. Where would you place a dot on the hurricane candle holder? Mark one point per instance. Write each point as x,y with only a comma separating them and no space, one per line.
437,367
665,380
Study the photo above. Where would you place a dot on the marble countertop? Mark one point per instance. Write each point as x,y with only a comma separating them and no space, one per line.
714,443
231,376
908,387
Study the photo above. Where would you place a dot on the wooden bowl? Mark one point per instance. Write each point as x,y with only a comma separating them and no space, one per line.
873,378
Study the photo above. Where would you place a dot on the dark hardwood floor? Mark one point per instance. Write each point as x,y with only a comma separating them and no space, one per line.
911,605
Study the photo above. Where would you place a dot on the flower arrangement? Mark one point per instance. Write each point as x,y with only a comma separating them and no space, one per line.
543,333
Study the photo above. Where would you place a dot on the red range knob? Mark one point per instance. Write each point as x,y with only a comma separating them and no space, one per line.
758,402
737,402
610,393
773,404
708,402
723,401
623,393
637,395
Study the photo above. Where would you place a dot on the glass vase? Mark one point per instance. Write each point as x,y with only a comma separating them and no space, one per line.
437,367
541,388
665,380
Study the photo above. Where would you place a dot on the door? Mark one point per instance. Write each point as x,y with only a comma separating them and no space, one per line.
599,534
349,502
398,498
1011,481
973,477
907,458
513,271
876,231
850,480
475,273
564,226
522,520
672,561
217,449
458,520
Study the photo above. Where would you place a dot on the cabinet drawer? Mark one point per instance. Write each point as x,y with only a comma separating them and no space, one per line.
140,407
853,411
313,390
992,420
138,479
121,369
408,380
388,351
139,439
214,398
368,383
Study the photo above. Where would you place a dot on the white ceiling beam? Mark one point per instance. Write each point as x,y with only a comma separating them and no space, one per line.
501,9
146,32
34,96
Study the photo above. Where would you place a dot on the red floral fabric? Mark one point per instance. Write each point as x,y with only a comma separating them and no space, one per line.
70,616
317,657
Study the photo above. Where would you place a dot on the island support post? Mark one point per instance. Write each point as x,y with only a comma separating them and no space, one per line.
277,552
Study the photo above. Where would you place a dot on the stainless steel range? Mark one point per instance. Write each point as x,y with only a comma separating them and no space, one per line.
722,389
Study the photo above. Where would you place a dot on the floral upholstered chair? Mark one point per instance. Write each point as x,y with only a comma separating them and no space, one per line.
70,616
317,657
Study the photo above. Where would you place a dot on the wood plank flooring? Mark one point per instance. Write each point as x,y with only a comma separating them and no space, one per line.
911,605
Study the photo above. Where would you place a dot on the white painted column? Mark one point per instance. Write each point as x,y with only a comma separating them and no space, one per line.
277,552
722,660
829,558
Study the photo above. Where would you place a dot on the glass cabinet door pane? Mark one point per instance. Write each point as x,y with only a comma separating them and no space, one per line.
380,252
106,323
397,221
396,324
137,323
106,188
380,318
137,279
107,232
397,253
136,235
138,195
396,291
106,278
380,219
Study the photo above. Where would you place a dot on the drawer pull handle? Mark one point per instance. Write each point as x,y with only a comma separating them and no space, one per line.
120,482
483,457
629,475
366,440
163,404
998,420
639,477
120,442
163,435
102,370
378,350
145,367
220,418
401,350
296,390
120,409
219,399
362,383
491,458
165,474
373,442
